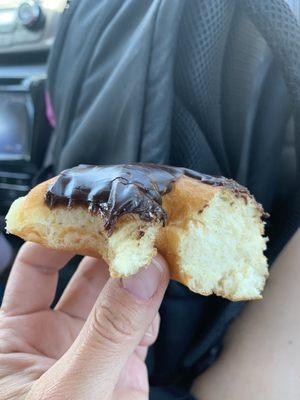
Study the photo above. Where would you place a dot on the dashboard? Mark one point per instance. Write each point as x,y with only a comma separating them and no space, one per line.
27,33
28,25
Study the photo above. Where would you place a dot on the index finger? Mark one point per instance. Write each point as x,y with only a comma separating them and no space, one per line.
33,279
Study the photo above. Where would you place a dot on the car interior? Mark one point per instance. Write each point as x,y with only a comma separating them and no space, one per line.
215,90
27,32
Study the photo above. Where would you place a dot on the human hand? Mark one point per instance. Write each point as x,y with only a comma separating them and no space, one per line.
91,346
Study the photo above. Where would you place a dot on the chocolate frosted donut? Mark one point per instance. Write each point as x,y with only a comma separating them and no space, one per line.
209,229
124,189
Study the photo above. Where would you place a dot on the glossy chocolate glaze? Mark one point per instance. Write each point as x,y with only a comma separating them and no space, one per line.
121,189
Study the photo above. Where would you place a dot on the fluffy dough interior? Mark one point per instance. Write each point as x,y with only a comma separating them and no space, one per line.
130,247
221,249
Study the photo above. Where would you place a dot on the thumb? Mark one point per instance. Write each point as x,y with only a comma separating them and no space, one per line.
119,320
116,325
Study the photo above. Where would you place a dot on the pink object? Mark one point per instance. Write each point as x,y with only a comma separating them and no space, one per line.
49,110
6,253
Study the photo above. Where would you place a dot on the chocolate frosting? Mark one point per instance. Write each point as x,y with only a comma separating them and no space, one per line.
121,189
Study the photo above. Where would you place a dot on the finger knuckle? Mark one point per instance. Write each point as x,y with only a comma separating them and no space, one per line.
112,325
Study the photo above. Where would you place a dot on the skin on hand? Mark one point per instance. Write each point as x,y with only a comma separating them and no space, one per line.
92,345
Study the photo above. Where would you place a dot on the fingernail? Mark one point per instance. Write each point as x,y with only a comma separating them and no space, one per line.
145,282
